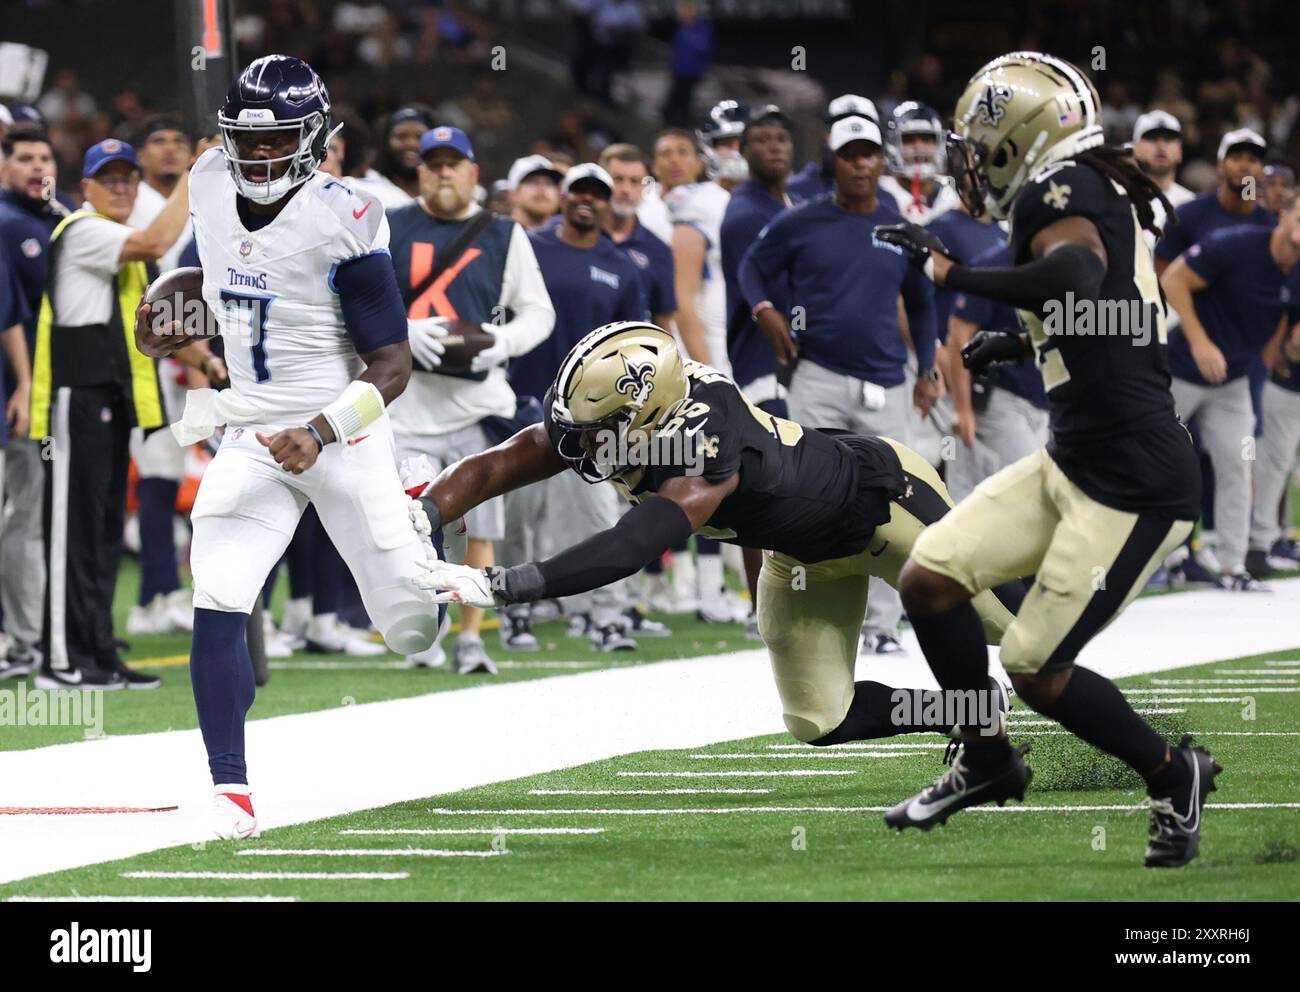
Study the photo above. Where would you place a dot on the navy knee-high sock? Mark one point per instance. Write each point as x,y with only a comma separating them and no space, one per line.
157,539
222,674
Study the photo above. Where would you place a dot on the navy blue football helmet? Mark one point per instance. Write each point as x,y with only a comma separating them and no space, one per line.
726,122
275,93
924,159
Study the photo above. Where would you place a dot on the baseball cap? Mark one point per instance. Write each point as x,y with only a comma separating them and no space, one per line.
108,150
530,165
1156,121
444,136
853,128
850,105
162,122
586,170
1243,137
404,114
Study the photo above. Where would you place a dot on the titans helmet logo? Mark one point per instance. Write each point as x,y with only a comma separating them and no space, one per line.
635,380
991,106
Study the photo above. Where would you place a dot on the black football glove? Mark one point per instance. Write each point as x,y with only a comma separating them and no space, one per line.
917,243
987,348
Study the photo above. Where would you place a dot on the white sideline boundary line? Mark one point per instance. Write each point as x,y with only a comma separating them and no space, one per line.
374,754
856,746
707,811
361,852
1247,689
814,754
649,792
1258,671
497,831
1224,681
277,876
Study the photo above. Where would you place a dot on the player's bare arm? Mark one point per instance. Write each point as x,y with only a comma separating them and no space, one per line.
690,249
521,460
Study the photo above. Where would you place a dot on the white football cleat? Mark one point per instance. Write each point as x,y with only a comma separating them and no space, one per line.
232,816
325,635
180,609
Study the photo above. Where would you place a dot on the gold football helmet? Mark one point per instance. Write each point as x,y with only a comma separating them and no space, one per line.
1017,115
612,390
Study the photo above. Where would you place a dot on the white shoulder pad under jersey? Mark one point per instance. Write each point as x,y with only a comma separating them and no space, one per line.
272,289
701,205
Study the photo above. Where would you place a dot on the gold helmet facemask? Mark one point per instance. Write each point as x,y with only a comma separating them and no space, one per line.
1019,114
612,390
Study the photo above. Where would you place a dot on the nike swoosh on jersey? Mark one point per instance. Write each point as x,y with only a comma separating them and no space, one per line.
356,214
357,440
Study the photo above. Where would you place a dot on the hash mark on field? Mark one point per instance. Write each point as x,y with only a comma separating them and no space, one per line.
806,773
1282,664
310,876
1202,699
361,852
1223,681
1251,687
855,745
1258,671
152,899
513,831
648,792
814,754
704,810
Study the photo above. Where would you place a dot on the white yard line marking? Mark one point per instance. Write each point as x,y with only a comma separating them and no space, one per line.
308,876
1258,671
808,773
349,767
1280,664
1203,699
566,664
360,852
811,754
152,899
451,831
1246,688
648,792
1224,681
312,666
704,810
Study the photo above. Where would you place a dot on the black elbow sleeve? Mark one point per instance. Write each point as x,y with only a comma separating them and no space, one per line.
1069,269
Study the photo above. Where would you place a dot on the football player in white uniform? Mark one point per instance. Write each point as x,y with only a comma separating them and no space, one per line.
916,146
297,275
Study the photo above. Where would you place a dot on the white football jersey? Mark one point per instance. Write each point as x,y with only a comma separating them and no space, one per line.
272,292
701,205
923,212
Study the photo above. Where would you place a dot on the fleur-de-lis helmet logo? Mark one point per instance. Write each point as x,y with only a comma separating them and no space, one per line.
635,380
991,106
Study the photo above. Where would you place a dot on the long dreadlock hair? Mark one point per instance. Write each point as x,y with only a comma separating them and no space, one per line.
1118,164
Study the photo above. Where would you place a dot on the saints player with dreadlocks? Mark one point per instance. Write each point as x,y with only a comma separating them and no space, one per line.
832,509
1116,489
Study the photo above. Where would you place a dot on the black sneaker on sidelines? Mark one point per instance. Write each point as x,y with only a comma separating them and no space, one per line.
1174,836
961,786
134,679
78,678
21,661
516,630
638,624
1257,565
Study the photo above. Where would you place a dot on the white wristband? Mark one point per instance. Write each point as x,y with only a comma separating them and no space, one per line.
357,407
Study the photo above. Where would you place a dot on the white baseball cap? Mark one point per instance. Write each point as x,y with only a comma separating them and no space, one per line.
1242,136
855,128
851,105
530,165
1156,120
586,170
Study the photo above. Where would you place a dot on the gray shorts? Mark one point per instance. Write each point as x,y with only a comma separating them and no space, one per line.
486,522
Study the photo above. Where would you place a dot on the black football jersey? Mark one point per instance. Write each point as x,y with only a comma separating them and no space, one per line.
1104,362
802,492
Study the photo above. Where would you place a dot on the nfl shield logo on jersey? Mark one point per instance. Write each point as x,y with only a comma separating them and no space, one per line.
245,248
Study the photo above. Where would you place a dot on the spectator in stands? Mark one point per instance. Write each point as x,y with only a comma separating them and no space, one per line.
1119,112
615,25
395,179
490,117
692,57
534,185
1279,182
66,102
1158,148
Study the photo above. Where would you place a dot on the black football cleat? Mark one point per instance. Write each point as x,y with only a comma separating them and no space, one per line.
961,786
1174,837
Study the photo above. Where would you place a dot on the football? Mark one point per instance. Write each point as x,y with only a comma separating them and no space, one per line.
177,313
464,340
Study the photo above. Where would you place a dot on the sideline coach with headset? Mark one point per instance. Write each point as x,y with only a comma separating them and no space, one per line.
90,386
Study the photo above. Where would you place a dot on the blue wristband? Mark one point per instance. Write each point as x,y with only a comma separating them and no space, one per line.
310,429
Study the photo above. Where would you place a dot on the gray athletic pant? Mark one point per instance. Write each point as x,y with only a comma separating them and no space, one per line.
1275,455
22,548
1227,425
822,398
1010,428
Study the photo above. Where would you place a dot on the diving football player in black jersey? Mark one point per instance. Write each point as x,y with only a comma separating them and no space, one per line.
1116,489
693,455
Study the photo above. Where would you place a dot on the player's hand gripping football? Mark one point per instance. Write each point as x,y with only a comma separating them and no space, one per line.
444,582
294,448
987,348
923,248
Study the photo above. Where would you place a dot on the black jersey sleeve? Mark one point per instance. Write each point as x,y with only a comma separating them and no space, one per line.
1069,190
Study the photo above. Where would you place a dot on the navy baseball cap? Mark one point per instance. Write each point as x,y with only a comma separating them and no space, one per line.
444,136
108,150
